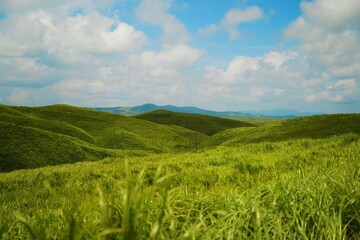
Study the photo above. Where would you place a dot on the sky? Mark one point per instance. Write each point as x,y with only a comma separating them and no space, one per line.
214,54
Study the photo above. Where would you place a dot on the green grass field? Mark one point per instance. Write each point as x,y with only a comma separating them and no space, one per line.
292,179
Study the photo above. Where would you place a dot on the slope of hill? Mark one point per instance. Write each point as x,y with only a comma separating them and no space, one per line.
10,115
27,147
257,121
208,125
314,127
60,133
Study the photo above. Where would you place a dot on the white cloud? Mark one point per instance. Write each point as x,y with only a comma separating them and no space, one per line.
93,87
329,34
258,92
341,91
25,72
315,82
144,77
22,5
50,54
263,80
346,71
19,96
277,59
273,66
208,30
329,31
40,48
11,48
24,34
236,16
155,12
276,76
240,68
94,34
178,56
232,19
14,7
333,14
46,31
279,91
166,65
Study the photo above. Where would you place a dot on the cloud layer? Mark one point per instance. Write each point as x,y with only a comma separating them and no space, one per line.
328,32
85,53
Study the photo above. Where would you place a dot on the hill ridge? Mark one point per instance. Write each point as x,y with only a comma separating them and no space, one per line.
205,124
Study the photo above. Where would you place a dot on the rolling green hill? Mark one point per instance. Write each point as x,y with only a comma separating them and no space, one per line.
27,147
315,127
201,123
40,136
292,179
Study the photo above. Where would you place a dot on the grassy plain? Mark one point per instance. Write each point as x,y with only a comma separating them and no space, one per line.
294,179
295,189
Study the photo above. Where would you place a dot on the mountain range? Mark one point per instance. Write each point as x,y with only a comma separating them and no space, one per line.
275,113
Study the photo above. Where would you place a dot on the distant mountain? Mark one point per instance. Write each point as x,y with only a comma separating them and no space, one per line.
280,112
152,107
276,113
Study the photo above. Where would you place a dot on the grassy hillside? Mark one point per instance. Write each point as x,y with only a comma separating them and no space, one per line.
257,121
294,189
293,179
315,127
10,115
57,134
116,131
27,147
201,123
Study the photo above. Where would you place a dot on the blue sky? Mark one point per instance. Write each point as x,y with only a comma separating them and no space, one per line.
220,55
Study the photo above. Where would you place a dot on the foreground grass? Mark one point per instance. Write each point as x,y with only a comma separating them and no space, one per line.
294,189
